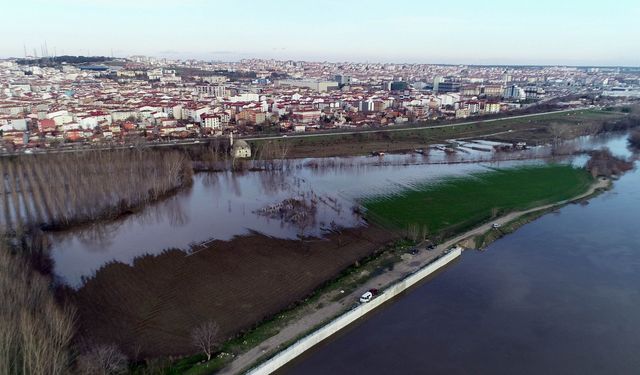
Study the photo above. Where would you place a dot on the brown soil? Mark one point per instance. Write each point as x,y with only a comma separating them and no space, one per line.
151,308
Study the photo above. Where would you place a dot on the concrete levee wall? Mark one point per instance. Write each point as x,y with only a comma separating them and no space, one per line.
351,316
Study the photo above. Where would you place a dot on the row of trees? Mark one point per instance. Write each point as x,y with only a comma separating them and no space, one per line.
36,332
56,190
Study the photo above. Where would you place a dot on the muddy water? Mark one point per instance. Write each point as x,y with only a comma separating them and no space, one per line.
227,204
224,205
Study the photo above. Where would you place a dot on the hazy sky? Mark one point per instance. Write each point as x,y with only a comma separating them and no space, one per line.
462,31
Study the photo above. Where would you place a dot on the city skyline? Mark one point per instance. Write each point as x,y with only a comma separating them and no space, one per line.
409,32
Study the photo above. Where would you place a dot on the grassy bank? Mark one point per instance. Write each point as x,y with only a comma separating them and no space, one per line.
485,239
536,129
457,204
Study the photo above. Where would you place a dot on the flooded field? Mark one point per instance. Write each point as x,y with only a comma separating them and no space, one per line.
223,205
243,246
227,204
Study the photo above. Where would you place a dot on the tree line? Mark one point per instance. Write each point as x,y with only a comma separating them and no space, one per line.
36,331
58,190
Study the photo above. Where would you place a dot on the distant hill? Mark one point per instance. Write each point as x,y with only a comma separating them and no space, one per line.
51,61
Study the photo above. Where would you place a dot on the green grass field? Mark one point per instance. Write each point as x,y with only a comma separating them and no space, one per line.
458,204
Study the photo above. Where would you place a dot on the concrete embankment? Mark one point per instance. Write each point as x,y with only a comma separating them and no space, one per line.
351,316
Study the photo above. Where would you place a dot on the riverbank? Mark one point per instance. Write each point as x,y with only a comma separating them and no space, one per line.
409,263
353,315
559,295
535,129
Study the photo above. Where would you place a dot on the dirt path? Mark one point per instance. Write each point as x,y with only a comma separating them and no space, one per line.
409,264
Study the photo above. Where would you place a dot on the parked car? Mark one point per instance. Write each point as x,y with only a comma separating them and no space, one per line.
495,225
368,295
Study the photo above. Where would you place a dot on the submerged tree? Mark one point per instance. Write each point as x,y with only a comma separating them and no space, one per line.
604,163
59,189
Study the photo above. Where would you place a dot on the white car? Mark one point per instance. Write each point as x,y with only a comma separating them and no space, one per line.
368,296
495,225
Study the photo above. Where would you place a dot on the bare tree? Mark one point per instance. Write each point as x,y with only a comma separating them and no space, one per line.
35,331
559,132
205,337
105,359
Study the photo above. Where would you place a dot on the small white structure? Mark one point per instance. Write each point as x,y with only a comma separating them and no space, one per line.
241,149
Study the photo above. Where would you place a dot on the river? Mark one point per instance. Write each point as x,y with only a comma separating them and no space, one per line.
559,296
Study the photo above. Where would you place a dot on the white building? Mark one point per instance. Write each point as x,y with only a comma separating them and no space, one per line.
212,121
320,86
123,115
217,91
246,97
241,149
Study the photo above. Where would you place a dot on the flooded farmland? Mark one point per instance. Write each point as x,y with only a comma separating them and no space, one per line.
222,205
241,246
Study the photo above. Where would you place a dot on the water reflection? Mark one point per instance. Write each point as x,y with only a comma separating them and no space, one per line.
222,205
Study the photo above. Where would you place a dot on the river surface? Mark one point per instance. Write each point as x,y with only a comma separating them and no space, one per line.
559,296
226,204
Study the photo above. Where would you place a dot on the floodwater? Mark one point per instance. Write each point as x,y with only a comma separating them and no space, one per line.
559,296
226,204
222,205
